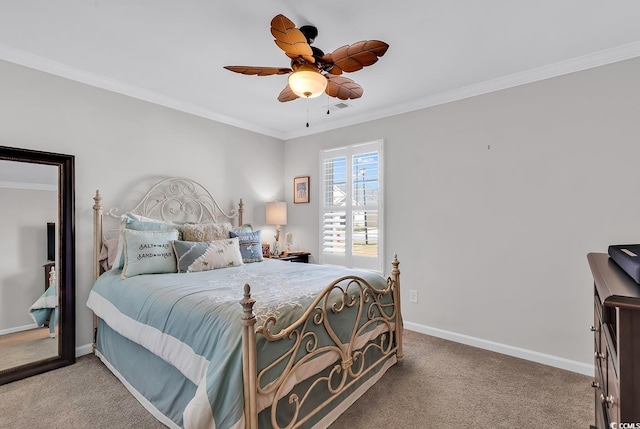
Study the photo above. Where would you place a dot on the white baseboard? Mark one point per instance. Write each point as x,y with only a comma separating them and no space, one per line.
84,350
80,350
555,361
17,329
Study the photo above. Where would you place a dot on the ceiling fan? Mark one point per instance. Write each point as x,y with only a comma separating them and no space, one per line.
312,71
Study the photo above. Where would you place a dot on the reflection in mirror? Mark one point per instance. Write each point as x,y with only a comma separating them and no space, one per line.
28,293
37,330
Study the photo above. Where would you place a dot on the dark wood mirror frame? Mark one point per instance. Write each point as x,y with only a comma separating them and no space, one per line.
66,266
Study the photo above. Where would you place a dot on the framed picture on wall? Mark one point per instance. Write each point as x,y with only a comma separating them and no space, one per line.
301,190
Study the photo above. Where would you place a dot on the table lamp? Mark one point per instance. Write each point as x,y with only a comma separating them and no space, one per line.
277,215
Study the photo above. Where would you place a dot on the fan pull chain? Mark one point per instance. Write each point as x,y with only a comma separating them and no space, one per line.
307,118
328,105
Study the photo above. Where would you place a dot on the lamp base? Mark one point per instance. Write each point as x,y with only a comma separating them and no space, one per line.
275,251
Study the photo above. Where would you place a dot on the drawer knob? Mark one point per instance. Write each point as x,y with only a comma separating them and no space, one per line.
595,384
607,399
599,355
594,329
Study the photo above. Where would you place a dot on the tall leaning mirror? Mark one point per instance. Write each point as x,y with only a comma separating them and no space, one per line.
37,262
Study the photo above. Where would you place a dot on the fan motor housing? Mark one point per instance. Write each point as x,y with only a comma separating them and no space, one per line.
310,33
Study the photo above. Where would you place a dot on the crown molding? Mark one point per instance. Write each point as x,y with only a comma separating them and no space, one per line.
29,186
596,59
53,67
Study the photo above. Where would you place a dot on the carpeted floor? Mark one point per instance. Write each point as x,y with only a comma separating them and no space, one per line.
439,384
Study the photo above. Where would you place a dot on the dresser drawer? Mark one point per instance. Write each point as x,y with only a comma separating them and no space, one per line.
597,335
611,396
610,348
597,384
601,419
597,304
597,324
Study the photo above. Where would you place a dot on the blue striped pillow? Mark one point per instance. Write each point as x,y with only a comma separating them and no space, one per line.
194,256
250,246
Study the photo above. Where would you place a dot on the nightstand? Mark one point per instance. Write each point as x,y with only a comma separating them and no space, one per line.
294,257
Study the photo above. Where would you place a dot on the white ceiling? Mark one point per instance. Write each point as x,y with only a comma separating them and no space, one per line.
172,52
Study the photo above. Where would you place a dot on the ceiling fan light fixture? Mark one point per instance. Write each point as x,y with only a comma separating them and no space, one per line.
311,70
307,82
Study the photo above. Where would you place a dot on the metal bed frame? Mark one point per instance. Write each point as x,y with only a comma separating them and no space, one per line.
188,201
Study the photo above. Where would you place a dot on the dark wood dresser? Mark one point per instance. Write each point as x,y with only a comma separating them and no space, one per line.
616,330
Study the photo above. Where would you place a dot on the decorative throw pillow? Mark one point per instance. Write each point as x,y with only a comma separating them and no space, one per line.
139,223
108,253
250,246
148,252
195,256
205,231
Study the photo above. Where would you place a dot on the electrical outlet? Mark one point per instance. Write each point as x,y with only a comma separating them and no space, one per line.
413,296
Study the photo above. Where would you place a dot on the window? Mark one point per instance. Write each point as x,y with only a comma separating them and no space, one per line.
351,230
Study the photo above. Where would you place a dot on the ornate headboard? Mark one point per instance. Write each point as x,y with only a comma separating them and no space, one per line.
174,199
180,200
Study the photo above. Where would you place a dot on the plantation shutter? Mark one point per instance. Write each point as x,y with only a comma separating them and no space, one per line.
351,206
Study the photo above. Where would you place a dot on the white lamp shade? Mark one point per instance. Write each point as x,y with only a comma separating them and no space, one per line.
307,82
277,213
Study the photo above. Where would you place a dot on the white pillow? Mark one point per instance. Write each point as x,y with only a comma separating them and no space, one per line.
205,231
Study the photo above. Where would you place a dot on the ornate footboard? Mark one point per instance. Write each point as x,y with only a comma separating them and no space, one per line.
374,336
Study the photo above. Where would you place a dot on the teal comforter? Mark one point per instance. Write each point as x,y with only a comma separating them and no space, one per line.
46,308
192,321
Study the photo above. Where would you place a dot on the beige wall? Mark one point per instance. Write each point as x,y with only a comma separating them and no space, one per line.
124,145
493,202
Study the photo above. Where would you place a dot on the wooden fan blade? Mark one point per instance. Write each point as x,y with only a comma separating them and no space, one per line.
290,39
343,88
258,71
351,58
287,95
